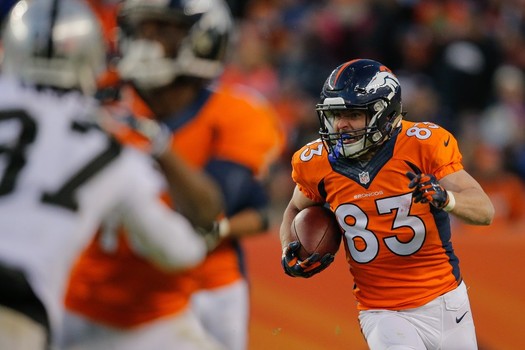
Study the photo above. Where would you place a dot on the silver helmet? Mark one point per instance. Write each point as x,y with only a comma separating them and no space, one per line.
206,26
54,43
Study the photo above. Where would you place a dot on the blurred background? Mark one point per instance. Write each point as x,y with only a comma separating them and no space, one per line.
461,65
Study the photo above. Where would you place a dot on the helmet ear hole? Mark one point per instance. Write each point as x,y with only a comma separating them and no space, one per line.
379,106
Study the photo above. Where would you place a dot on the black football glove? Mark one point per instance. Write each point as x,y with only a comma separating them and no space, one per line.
307,268
427,190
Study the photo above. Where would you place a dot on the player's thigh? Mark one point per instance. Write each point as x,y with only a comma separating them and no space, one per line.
19,332
224,313
224,304
179,332
189,334
459,332
444,323
385,329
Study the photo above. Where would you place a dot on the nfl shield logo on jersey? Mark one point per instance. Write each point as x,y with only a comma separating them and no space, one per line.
364,177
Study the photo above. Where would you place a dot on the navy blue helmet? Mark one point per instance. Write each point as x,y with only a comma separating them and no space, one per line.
365,85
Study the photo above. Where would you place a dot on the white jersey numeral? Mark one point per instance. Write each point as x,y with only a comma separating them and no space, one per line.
354,221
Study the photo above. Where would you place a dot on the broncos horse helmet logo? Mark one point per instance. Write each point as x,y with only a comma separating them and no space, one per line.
383,79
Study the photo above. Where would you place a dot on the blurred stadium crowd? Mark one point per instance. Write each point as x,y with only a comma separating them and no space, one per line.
461,64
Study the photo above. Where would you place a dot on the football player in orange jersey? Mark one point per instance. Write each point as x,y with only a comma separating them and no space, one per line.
61,176
170,53
392,185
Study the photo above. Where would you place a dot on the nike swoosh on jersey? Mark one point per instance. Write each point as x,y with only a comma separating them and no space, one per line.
446,142
458,320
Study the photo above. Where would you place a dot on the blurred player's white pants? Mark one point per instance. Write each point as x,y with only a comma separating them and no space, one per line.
182,332
445,323
224,313
19,332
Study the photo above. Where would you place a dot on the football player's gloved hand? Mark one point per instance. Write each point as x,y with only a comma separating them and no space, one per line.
158,134
211,236
307,268
428,190
153,137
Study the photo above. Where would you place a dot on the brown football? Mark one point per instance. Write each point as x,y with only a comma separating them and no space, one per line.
317,230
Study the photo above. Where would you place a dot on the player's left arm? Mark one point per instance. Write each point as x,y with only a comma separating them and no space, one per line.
443,183
247,222
472,204
246,199
196,194
457,193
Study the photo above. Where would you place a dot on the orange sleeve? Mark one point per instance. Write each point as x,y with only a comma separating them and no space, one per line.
447,158
308,176
107,15
433,147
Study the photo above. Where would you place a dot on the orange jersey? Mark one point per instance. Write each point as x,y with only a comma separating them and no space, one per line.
106,12
236,124
239,126
122,289
399,252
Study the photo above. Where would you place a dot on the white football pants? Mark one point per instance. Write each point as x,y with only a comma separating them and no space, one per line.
445,323
180,332
224,313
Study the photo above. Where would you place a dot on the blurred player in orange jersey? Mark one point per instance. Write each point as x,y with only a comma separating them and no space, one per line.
106,11
392,185
61,175
171,53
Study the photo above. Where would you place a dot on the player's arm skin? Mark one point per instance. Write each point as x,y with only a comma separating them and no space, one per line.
473,206
297,203
246,200
253,219
248,222
197,195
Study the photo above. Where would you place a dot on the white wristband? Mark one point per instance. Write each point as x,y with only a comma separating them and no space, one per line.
451,202
224,228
